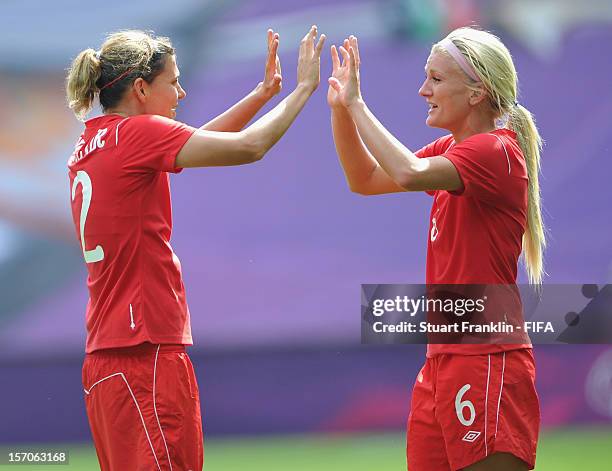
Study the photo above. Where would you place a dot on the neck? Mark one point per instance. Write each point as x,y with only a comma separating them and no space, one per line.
475,123
125,109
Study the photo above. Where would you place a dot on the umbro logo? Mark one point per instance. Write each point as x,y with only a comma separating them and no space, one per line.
471,436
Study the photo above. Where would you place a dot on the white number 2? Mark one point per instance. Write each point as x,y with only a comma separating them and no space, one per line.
97,254
459,406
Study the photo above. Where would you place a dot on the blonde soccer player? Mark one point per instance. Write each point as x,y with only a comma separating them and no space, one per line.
474,407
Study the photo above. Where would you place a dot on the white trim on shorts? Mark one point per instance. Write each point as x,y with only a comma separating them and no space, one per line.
88,392
501,388
155,407
487,406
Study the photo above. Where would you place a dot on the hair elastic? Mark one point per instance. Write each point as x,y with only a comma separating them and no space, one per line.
112,82
450,47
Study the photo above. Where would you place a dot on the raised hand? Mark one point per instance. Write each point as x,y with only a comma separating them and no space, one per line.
272,82
345,88
309,60
339,72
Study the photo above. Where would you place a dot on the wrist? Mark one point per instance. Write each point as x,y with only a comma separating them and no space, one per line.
356,105
340,110
262,92
306,88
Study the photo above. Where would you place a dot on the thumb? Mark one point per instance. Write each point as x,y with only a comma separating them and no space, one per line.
335,84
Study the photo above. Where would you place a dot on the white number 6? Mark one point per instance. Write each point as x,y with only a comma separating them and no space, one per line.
97,254
459,406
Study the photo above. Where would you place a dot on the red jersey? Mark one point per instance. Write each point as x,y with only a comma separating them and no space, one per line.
121,208
475,234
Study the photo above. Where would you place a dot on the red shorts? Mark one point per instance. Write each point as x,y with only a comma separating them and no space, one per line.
144,409
467,407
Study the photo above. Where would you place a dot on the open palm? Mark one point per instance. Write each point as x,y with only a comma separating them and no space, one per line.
344,86
272,82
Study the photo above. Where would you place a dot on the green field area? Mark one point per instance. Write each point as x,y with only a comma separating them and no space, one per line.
584,449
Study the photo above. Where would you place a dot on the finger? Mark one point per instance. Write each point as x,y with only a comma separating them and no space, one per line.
335,59
355,46
312,38
278,78
278,66
312,32
353,61
271,60
346,45
335,84
319,46
345,56
270,35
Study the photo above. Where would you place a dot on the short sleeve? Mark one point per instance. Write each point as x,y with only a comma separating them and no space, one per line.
434,149
483,166
151,143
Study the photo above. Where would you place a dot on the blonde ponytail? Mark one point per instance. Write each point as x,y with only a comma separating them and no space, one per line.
81,82
521,121
492,63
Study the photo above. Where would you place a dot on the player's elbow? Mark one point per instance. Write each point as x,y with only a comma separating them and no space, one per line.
408,179
252,147
359,189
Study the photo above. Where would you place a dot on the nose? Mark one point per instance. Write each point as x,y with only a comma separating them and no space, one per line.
182,93
425,89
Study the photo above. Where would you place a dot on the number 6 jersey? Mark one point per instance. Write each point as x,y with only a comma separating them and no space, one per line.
120,196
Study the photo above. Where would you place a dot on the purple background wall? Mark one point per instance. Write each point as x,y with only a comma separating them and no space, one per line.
297,390
273,255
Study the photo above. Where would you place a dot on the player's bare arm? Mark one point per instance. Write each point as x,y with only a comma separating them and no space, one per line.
363,173
398,162
237,117
210,148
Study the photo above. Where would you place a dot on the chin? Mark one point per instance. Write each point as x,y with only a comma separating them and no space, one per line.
431,122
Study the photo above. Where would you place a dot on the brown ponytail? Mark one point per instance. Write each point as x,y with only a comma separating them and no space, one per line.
124,57
81,82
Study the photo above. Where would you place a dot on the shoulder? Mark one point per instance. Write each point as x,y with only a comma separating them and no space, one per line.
152,128
442,144
497,147
497,141
147,121
437,147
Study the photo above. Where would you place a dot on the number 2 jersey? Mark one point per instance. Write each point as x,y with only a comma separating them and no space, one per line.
475,234
120,196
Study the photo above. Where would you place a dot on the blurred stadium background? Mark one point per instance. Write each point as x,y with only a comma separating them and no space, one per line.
273,254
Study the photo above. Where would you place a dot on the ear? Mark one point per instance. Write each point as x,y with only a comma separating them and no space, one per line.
477,96
140,88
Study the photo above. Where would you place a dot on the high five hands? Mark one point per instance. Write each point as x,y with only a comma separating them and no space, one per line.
272,82
309,60
344,86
